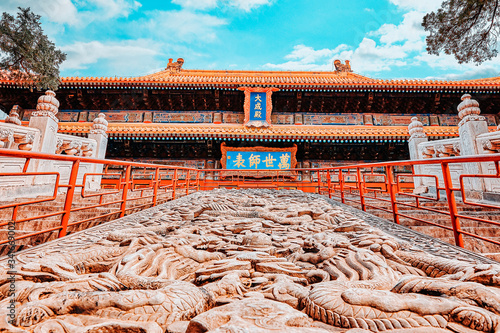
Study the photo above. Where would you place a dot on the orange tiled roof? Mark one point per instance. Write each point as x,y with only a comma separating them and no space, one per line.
281,79
292,132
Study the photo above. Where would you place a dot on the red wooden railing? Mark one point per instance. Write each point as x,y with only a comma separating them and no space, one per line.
125,187
385,189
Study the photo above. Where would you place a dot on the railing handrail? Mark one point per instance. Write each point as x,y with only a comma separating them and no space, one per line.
346,182
457,159
84,159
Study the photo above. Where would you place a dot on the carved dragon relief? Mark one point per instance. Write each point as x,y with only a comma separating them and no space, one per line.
246,261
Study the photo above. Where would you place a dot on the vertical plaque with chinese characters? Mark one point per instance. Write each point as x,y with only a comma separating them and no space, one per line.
258,106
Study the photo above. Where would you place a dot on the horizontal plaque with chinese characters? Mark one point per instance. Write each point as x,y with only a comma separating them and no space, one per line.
254,160
258,158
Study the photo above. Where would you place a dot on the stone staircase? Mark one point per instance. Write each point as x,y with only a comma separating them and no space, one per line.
482,229
54,207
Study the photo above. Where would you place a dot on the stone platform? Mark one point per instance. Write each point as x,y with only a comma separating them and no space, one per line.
249,261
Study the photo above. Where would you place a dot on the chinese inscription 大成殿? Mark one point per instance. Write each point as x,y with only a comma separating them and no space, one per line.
257,106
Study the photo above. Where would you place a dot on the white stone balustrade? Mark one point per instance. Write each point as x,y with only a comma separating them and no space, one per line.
41,136
74,146
436,149
18,137
439,148
13,136
474,139
489,143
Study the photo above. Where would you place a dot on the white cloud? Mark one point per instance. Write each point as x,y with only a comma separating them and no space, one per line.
471,74
137,54
420,5
309,55
490,68
197,4
391,45
305,58
368,57
109,8
181,26
246,5
59,11
76,11
409,30
387,48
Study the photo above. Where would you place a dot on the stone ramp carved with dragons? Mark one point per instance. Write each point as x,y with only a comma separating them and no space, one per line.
249,261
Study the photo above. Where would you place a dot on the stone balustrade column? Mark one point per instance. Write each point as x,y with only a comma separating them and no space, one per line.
470,126
417,136
98,133
44,119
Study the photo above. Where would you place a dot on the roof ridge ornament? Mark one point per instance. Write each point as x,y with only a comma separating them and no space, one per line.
342,68
175,67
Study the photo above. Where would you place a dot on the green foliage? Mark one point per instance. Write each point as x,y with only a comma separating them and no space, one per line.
26,52
468,29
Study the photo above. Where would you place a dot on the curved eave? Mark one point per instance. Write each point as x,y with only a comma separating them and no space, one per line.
302,81
152,131
206,79
342,86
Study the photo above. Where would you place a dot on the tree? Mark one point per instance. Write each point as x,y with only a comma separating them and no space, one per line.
27,55
468,29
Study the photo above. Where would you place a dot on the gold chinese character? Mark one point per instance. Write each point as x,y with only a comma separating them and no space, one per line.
258,98
284,162
239,161
254,160
269,161
258,114
258,106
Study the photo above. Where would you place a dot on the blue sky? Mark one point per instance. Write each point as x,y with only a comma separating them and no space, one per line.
382,38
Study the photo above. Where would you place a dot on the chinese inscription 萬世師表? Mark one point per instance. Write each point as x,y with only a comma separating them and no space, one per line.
258,160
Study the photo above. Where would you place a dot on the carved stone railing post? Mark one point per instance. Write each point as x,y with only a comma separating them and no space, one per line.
98,133
13,117
417,136
44,119
471,125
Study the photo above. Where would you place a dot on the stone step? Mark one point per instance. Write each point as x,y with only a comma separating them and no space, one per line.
438,232
476,245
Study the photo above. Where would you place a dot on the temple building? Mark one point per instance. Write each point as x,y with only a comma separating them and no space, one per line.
223,119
